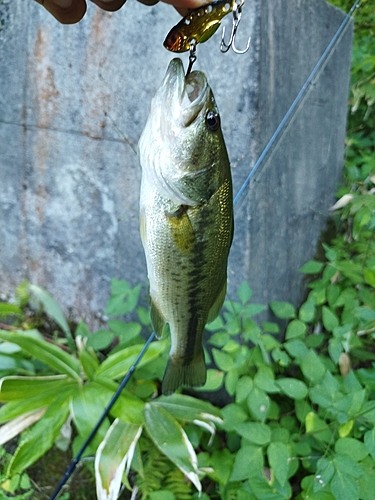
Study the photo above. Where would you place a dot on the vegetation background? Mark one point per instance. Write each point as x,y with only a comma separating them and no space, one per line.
301,419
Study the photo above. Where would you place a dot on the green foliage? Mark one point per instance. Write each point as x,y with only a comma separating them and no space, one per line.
77,385
301,420
298,411
18,487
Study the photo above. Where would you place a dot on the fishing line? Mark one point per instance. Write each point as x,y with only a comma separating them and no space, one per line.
318,68
272,142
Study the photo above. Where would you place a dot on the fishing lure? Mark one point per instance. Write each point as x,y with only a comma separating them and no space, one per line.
200,24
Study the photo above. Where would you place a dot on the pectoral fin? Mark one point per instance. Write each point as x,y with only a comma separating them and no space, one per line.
181,229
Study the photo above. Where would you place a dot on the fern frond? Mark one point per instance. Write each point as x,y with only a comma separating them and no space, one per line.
176,482
155,467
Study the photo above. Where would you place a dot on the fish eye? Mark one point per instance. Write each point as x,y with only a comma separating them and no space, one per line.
213,120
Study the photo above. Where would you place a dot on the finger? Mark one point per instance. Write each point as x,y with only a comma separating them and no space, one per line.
183,7
110,5
148,2
65,11
186,4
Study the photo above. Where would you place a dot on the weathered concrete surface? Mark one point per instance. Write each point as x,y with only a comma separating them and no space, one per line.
69,182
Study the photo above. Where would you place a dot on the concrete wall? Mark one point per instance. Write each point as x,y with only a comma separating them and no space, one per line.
69,182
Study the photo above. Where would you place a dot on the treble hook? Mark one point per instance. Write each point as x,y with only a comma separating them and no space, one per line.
237,13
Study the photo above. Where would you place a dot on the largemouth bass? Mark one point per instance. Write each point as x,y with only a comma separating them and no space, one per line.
199,25
186,218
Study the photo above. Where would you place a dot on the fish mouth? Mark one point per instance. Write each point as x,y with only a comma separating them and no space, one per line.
185,96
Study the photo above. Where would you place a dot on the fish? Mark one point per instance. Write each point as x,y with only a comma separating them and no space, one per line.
186,218
199,25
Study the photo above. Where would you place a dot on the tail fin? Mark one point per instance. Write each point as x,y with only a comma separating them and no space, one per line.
179,373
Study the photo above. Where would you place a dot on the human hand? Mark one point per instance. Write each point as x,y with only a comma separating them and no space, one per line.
72,11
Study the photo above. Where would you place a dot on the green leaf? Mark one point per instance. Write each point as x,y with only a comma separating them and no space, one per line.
265,491
128,407
317,426
280,357
123,299
315,340
219,339
325,471
87,405
53,309
296,348
367,482
327,392
222,463
335,348
255,432
292,387
306,312
15,388
119,287
40,437
243,388
248,462
215,379
216,324
172,441
369,440
271,327
365,313
161,495
351,447
9,309
82,330
295,329
231,380
350,270
330,253
330,320
223,360
187,408
351,404
344,486
233,415
100,339
16,426
269,342
19,407
118,364
115,451
89,362
265,379
312,367
311,267
50,354
244,292
125,331
369,275
258,403
283,310
278,458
